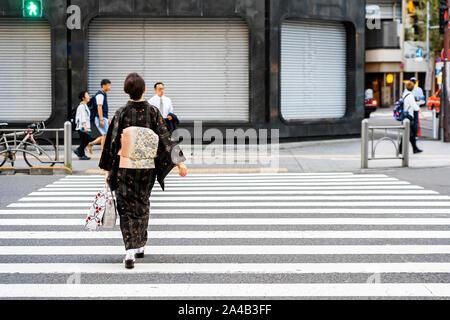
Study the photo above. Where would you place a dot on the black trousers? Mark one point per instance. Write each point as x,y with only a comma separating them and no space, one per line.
413,128
85,139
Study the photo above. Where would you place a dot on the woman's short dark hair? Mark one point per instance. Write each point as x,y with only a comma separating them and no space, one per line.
81,95
134,86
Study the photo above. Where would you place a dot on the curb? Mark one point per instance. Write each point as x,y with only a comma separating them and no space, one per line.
37,171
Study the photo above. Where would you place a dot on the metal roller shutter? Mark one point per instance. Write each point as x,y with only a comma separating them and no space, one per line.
25,68
313,70
203,63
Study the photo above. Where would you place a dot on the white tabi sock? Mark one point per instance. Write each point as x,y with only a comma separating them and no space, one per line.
130,254
140,250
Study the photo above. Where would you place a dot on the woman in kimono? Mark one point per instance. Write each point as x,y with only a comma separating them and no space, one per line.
133,180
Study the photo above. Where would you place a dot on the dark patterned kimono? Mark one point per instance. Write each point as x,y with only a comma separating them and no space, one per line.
133,186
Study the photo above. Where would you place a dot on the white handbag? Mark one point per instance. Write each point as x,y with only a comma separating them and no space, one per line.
103,212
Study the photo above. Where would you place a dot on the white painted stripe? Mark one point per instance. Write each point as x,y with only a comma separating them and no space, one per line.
247,204
287,198
223,211
177,188
226,290
247,181
279,234
243,174
230,250
250,185
255,177
240,221
169,193
203,211
229,268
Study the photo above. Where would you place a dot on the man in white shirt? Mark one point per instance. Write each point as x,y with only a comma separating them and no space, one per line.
163,103
411,107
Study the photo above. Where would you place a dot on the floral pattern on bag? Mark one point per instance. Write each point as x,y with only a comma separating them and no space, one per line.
103,202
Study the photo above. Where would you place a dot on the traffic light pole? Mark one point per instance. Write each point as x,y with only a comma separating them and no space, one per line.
446,109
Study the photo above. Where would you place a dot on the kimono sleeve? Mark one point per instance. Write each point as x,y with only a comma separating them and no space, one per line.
168,148
112,144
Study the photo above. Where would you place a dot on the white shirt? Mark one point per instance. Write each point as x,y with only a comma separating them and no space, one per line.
409,103
167,105
99,99
83,115
369,94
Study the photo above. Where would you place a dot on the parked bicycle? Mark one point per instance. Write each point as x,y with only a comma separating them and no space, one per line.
35,149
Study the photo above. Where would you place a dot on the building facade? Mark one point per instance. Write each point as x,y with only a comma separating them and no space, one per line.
293,65
391,49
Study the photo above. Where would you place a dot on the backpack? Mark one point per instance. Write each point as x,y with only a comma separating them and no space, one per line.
92,105
72,118
399,111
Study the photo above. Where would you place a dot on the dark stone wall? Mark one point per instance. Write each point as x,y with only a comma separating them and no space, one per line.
54,12
264,18
252,11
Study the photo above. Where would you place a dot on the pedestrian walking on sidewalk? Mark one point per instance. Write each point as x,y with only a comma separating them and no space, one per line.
138,151
411,108
100,110
83,125
165,106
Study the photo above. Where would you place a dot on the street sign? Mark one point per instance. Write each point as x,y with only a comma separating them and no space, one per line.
419,55
32,8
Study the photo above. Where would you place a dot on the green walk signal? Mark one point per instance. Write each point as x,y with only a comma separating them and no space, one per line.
32,8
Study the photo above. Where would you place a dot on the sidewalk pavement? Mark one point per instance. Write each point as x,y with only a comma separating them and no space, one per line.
314,156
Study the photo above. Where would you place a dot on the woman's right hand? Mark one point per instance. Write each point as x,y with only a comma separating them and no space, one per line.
182,169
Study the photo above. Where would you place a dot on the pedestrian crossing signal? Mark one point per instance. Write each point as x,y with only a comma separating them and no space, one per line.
32,8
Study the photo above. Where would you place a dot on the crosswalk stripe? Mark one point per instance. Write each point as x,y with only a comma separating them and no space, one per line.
239,175
279,234
263,268
249,204
227,290
248,192
255,178
204,211
242,221
232,250
250,184
157,198
287,188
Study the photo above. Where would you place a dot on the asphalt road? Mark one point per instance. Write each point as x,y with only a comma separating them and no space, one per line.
179,234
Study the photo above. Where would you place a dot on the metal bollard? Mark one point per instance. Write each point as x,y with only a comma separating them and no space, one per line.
68,144
365,144
405,142
435,125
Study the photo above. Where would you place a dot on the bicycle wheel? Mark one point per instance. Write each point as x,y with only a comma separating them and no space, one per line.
3,156
45,151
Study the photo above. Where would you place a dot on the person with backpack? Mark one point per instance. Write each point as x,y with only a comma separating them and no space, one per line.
83,125
138,150
99,109
411,110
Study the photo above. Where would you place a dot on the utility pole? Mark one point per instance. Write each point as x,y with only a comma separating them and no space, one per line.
428,60
446,108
